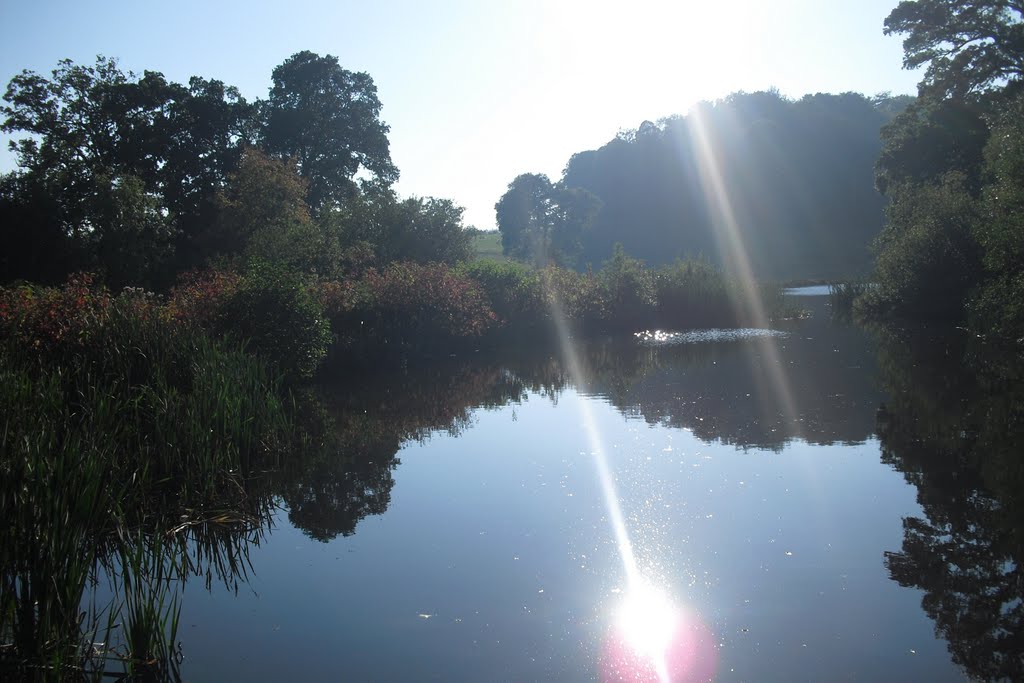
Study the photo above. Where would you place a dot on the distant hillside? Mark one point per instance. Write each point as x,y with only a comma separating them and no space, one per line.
792,181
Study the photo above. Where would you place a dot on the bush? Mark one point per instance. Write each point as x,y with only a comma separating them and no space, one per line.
580,296
407,307
513,290
928,259
629,291
692,293
278,317
48,318
201,296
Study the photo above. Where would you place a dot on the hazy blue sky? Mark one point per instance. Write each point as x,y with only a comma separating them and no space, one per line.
477,92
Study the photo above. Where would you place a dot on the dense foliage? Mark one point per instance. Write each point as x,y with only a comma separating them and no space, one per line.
790,181
967,45
953,169
140,179
119,425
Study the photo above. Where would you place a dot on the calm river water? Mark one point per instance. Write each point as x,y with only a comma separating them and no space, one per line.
806,504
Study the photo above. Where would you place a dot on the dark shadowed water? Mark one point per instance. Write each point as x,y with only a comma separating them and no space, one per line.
814,504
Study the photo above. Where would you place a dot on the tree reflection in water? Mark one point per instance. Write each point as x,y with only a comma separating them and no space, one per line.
954,427
719,391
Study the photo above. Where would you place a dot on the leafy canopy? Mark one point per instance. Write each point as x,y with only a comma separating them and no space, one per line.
969,46
328,119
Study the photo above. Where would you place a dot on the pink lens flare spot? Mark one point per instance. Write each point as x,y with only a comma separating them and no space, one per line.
681,649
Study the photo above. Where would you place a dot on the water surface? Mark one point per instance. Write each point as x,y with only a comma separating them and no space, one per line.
776,490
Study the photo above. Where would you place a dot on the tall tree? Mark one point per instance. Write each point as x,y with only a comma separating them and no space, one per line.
96,131
797,176
951,168
422,229
263,214
328,120
544,222
968,45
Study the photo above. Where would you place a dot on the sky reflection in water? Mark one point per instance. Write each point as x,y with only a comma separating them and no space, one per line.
495,558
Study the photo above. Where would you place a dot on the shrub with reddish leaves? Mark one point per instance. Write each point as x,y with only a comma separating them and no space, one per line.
200,297
337,298
407,307
47,318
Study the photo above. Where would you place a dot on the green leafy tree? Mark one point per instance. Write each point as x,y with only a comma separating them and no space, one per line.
134,239
36,245
87,125
999,305
207,128
931,139
1002,232
544,222
421,229
798,175
952,168
968,46
328,120
928,258
263,214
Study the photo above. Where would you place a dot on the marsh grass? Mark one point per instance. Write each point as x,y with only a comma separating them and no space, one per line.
131,452
841,296
150,610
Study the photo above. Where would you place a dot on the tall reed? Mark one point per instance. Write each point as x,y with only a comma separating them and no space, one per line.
127,422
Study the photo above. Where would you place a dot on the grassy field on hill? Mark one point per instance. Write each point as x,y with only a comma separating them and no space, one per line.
488,245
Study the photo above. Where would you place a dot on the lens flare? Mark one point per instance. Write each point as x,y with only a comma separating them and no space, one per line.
650,639
654,642
646,619
730,240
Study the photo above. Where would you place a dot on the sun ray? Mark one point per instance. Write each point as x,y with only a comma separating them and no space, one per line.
647,623
727,233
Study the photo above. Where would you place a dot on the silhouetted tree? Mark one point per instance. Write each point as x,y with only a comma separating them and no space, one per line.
967,46
96,133
422,229
328,119
790,181
543,222
951,167
263,214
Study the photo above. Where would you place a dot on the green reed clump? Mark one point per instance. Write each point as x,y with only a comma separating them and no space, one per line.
55,491
147,576
841,296
125,421
693,293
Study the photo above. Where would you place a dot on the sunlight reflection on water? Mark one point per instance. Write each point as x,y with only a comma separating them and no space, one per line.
664,338
652,640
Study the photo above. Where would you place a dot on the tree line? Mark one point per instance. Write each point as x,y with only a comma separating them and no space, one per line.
952,168
141,178
796,175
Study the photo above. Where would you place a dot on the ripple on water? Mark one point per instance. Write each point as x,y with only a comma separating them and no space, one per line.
665,338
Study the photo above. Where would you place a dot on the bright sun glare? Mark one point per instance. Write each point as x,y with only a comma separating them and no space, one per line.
647,620
649,49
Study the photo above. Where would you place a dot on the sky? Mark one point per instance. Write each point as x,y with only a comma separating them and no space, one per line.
477,92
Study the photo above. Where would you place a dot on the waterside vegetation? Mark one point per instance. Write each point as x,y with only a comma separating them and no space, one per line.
952,168
183,265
